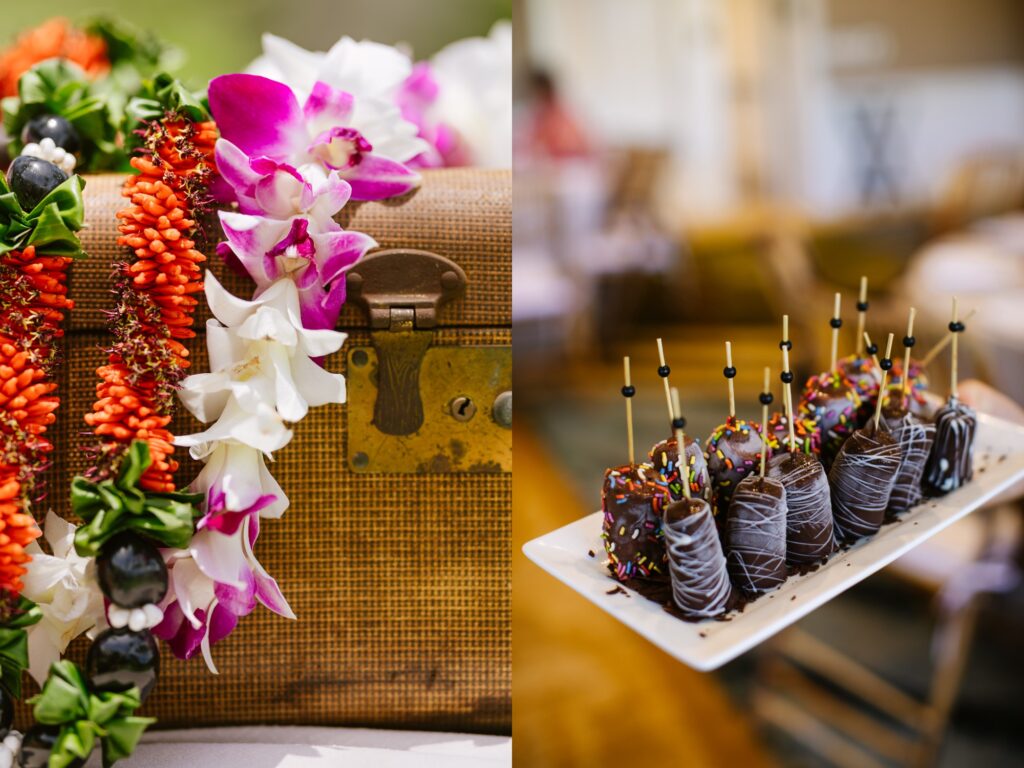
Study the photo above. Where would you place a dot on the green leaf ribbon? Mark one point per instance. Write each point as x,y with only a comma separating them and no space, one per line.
84,716
60,87
51,225
14,644
112,506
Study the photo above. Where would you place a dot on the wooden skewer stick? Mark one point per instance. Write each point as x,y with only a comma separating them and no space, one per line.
663,371
787,400
862,312
681,462
953,391
836,324
765,402
867,340
886,364
628,391
730,374
944,342
905,388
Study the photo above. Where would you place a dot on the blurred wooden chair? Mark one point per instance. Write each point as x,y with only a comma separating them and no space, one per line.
807,688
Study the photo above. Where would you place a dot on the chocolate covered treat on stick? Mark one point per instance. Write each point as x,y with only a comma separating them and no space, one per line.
859,369
785,433
700,580
862,476
632,504
808,500
950,463
831,401
664,456
913,435
755,530
733,449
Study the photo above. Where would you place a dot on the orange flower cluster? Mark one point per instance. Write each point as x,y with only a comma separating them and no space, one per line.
31,312
55,38
157,226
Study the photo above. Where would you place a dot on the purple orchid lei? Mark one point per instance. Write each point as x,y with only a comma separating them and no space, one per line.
288,170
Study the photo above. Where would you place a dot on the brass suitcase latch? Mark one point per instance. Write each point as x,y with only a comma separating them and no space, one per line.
414,407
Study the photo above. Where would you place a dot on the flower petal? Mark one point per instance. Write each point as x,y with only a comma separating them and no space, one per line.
260,116
377,178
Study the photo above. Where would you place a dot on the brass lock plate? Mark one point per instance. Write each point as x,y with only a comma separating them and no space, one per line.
460,431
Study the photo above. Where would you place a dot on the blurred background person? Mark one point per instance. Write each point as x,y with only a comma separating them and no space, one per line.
747,159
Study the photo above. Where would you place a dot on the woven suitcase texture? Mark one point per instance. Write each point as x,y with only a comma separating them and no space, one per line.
401,584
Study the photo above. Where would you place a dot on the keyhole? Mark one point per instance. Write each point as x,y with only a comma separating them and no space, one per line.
462,408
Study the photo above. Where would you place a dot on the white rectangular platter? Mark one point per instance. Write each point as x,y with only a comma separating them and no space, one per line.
707,645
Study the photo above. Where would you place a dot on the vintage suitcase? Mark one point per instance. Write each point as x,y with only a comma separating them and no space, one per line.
395,552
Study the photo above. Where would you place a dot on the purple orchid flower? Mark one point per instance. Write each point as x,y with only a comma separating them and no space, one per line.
262,118
314,254
415,98
218,580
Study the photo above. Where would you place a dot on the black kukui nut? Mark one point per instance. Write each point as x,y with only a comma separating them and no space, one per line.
32,179
6,712
664,371
53,127
131,571
37,745
119,659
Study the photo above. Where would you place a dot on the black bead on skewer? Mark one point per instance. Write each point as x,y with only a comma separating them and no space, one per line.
862,306
872,349
836,322
765,398
729,372
957,326
628,391
885,364
787,377
786,344
678,423
664,371
909,341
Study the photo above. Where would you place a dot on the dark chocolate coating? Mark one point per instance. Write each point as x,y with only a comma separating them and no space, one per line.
915,438
809,535
700,580
733,452
804,430
755,549
632,523
861,480
951,462
664,458
833,404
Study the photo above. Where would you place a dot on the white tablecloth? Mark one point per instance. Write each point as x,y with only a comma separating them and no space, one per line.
297,747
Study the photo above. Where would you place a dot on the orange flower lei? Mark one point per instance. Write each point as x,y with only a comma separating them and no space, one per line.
31,311
55,38
155,290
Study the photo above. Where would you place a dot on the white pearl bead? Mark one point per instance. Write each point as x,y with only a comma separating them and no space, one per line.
47,144
31,149
153,614
137,620
118,616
